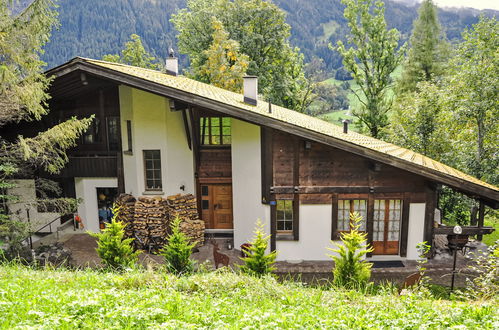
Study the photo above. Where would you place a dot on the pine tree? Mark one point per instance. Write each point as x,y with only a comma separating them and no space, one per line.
116,253
258,262
177,251
350,270
23,97
429,50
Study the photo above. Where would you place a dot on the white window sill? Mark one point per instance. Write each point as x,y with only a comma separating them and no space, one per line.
153,192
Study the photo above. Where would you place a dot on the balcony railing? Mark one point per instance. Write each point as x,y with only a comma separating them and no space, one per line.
91,166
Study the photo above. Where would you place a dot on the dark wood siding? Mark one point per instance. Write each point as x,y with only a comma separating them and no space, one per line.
322,166
215,163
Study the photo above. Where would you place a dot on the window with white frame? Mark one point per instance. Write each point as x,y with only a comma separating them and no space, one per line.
284,216
152,168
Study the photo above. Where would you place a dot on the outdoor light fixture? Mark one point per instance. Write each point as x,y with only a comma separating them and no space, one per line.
457,241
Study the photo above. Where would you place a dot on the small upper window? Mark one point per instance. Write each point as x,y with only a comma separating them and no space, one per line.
347,206
113,133
215,131
152,167
284,216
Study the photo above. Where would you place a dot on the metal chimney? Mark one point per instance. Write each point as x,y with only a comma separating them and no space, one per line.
250,88
172,63
345,125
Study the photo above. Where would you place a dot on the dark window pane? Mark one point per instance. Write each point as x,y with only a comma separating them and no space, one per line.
280,225
204,190
289,225
280,215
205,204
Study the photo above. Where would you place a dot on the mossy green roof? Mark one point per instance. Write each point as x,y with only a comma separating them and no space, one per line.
295,118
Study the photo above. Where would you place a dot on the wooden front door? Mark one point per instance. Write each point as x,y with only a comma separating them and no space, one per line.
216,205
386,226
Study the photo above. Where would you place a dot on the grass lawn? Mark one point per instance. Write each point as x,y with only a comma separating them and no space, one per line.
90,299
490,239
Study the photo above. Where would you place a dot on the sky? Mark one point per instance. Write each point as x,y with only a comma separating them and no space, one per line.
478,4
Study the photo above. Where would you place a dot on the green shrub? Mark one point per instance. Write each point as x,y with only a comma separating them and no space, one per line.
115,252
177,251
13,233
258,262
350,270
486,284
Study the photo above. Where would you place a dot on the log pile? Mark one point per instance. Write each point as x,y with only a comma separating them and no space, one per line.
148,219
185,207
151,222
126,205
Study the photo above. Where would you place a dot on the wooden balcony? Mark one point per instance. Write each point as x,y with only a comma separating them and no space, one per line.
91,166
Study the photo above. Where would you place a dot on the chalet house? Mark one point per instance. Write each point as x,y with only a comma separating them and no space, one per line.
161,134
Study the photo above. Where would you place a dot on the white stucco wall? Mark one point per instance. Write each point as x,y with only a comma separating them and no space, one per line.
155,127
246,182
416,229
25,192
315,235
86,189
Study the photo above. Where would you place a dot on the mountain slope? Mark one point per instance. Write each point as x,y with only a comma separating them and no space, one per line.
92,28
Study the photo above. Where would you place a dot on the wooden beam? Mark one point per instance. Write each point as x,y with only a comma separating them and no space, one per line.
296,183
187,128
404,230
370,220
296,217
267,162
273,223
467,230
481,215
338,189
334,217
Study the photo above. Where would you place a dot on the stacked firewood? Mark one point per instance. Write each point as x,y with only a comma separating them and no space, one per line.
185,207
148,219
151,222
126,205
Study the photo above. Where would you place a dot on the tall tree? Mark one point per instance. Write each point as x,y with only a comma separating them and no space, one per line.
429,50
259,27
134,54
23,96
418,123
472,89
454,119
225,66
372,57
